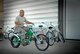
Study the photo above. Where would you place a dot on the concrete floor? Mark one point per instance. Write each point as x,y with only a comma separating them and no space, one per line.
68,47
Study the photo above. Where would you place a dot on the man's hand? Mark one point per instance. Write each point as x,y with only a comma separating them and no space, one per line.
21,22
29,22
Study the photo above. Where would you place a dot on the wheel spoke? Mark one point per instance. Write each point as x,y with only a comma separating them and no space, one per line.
51,38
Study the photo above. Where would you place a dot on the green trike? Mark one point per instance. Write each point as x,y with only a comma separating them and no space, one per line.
41,41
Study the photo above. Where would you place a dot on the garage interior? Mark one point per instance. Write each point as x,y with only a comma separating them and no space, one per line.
63,12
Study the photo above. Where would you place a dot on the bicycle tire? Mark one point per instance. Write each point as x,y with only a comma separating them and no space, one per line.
46,42
52,36
14,46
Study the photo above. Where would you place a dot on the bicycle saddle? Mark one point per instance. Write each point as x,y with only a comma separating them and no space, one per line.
15,33
40,25
12,28
0,28
50,27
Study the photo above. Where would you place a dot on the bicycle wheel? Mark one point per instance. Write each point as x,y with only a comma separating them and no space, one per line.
61,37
51,38
41,42
15,42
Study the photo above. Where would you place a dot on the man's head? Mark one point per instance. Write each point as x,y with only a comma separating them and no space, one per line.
21,13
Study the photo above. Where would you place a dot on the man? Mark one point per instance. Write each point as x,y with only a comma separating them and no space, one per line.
19,23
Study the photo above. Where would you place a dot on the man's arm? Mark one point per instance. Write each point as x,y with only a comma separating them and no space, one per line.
29,22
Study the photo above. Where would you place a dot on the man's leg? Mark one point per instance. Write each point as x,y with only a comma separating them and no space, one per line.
23,37
22,34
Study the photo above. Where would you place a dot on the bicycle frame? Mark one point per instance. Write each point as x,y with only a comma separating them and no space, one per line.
16,40
28,36
53,28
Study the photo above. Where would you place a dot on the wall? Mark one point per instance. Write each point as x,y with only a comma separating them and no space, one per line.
72,19
35,11
1,13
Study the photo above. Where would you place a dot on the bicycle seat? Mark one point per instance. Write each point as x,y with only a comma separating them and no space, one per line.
40,25
15,33
50,27
0,28
12,28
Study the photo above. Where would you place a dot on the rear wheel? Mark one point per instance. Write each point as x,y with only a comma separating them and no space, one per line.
61,37
15,42
41,42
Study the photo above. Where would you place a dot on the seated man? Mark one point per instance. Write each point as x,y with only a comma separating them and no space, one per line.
19,23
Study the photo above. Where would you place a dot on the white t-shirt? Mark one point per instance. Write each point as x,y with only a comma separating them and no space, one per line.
20,19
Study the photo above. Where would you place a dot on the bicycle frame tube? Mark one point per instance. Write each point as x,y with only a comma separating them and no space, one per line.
29,34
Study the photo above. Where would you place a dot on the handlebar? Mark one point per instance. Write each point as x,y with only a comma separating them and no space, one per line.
50,23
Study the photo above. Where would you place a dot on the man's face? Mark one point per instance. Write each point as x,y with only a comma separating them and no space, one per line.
21,13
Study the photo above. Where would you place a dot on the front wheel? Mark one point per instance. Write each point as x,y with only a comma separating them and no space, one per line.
41,42
15,42
51,38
